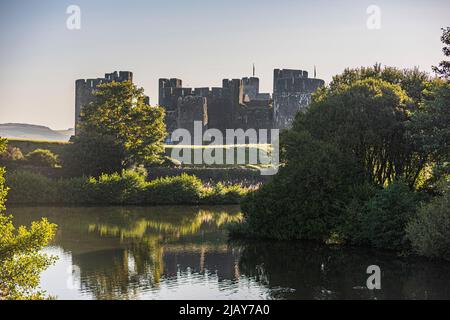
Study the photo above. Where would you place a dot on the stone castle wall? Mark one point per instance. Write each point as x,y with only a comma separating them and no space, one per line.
238,104
191,109
84,89
292,90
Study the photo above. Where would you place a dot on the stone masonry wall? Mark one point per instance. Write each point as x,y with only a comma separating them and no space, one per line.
84,89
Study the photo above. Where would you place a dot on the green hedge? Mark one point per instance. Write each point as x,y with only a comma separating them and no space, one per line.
128,188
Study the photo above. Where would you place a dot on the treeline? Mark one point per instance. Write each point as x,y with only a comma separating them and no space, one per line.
367,164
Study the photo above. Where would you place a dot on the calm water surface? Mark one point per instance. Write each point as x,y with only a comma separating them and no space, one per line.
184,253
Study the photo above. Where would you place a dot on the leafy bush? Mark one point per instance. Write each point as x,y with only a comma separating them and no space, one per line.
42,158
369,128
21,259
221,194
130,187
307,197
74,191
92,156
383,219
429,232
117,188
31,188
11,154
183,189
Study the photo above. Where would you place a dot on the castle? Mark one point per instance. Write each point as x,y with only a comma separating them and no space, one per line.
237,104
84,89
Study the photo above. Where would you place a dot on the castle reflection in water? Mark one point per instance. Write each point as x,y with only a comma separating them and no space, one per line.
185,253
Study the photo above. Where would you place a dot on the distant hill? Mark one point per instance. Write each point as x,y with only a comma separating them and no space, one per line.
33,132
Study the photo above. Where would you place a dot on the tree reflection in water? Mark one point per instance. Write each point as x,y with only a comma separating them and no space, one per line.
303,270
128,253
121,252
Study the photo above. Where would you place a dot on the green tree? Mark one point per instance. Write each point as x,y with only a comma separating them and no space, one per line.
21,261
349,137
419,146
429,134
93,154
366,119
118,130
345,156
412,81
444,66
307,197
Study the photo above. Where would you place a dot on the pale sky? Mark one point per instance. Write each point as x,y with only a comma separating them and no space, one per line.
199,41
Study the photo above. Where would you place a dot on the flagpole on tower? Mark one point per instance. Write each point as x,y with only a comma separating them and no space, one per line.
254,71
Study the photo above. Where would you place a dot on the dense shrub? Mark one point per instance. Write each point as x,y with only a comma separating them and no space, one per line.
74,191
117,188
243,176
343,155
11,153
305,199
382,220
129,187
92,156
42,158
222,194
31,188
429,232
183,189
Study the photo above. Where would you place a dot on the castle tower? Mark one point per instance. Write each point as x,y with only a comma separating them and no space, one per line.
292,90
191,109
84,90
251,88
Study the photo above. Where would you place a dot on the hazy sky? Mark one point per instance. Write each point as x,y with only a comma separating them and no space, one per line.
199,41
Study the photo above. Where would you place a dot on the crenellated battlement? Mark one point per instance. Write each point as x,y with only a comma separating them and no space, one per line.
85,88
292,90
237,104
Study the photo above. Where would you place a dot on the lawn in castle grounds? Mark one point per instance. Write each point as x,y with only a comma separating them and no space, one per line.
262,152
58,148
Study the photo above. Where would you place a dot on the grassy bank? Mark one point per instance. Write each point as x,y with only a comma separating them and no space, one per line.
27,146
241,154
171,151
127,188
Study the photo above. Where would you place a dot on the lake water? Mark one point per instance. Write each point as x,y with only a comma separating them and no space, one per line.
184,253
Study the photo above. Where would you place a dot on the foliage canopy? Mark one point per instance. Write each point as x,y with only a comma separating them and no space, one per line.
353,161
21,261
118,130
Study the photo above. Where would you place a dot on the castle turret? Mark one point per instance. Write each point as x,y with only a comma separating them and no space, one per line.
84,90
292,90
